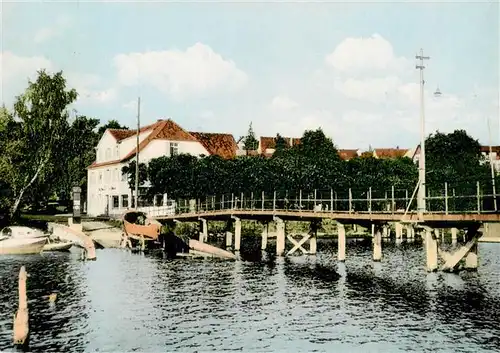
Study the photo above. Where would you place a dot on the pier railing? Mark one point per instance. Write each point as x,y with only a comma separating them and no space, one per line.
446,201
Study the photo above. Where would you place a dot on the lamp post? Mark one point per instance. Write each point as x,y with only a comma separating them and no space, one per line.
421,161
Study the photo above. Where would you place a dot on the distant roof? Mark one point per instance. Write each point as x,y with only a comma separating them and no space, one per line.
486,149
348,154
390,152
222,145
270,142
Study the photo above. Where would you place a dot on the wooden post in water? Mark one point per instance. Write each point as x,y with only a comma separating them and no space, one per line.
21,319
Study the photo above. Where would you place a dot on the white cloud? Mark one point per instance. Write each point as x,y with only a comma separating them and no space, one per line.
180,74
89,88
55,30
367,95
283,103
14,66
364,55
16,71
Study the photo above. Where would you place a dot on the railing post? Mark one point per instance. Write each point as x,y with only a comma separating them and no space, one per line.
251,200
241,202
222,202
274,201
263,200
446,197
300,200
393,203
335,205
478,192
232,201
350,200
315,201
370,199
406,199
331,200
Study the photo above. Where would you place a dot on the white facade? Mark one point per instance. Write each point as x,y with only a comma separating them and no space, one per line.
494,159
108,191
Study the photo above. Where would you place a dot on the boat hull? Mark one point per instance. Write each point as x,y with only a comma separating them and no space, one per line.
64,246
22,246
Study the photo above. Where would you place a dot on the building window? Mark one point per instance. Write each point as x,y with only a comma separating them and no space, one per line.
174,148
107,177
100,177
116,202
115,175
117,153
125,201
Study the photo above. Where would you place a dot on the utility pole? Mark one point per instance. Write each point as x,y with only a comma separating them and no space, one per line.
137,153
421,161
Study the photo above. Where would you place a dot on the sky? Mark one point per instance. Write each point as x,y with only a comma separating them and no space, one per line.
346,67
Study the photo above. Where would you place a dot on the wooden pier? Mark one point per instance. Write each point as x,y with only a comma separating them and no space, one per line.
468,213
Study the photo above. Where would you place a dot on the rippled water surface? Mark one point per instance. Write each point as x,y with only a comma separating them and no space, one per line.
128,302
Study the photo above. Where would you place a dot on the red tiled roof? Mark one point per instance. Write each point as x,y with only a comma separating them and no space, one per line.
219,144
222,145
348,154
390,152
486,149
163,130
122,134
270,142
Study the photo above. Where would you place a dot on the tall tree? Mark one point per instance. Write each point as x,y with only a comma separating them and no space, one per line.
250,142
112,124
43,124
280,146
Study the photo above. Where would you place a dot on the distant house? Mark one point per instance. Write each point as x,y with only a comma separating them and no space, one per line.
495,156
347,154
267,145
389,153
108,189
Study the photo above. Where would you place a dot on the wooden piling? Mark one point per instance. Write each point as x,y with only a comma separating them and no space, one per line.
21,320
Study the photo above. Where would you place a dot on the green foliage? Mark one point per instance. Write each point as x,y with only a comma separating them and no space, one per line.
250,142
37,134
315,165
129,170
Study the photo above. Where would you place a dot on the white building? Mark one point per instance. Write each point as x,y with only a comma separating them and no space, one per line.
108,191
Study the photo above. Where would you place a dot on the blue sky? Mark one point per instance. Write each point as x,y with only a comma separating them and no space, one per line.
348,68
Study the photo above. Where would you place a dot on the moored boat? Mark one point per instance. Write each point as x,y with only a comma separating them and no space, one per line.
21,241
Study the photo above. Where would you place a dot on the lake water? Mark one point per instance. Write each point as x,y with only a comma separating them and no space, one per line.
130,302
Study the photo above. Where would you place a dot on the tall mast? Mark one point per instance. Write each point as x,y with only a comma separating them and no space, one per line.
137,153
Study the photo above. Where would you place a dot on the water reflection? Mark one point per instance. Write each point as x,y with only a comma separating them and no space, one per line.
128,302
